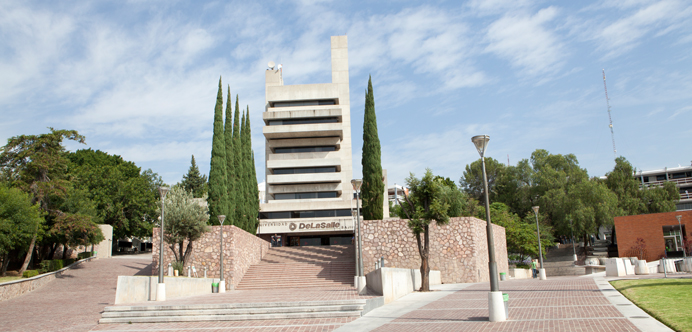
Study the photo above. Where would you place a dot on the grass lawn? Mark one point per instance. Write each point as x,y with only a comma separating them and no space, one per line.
668,300
6,279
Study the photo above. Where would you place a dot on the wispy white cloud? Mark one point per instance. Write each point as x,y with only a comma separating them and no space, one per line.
527,42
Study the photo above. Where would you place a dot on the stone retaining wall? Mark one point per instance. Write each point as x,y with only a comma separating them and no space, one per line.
12,289
458,250
241,249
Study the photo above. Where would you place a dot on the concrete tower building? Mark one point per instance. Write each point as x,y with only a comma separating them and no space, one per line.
307,131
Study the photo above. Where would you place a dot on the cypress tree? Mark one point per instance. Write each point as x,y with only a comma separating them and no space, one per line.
254,191
238,158
246,172
230,162
218,193
193,181
372,191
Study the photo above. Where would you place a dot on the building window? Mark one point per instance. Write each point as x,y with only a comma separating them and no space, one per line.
306,214
302,121
303,149
304,103
661,177
326,194
305,170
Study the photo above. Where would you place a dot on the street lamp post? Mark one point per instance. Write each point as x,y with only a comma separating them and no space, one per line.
496,303
541,271
682,239
574,250
360,279
161,287
222,282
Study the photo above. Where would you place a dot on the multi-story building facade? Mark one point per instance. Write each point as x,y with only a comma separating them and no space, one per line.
681,176
309,197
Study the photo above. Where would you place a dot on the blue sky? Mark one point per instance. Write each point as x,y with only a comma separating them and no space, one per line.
139,78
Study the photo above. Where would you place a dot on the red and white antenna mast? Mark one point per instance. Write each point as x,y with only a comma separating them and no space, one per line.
610,118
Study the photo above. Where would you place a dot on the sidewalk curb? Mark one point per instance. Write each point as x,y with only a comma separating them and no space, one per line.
634,314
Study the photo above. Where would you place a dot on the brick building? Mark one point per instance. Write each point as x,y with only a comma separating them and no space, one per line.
660,232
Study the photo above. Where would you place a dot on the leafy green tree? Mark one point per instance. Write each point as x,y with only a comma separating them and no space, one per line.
422,207
372,191
193,181
231,176
520,234
185,222
125,197
631,199
472,179
589,205
218,190
77,230
37,165
19,220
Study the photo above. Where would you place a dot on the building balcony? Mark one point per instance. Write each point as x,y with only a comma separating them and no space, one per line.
303,178
303,130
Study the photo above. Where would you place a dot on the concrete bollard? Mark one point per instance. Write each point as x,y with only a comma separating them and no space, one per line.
170,270
615,268
642,267
205,272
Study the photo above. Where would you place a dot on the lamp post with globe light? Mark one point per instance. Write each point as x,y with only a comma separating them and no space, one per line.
360,279
495,299
161,287
541,271
222,282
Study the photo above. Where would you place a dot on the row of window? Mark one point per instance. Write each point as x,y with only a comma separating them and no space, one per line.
303,149
305,170
325,194
662,177
302,121
306,214
305,103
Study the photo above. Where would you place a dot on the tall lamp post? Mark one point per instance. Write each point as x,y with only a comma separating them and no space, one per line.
161,287
222,282
496,303
682,239
541,271
360,279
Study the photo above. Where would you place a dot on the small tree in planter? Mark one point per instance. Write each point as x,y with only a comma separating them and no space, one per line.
185,221
422,207
639,248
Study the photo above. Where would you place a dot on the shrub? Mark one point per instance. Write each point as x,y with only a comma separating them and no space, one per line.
68,261
83,255
178,266
30,273
523,266
57,264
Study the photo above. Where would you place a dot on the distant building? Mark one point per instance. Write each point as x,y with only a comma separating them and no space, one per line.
652,236
681,176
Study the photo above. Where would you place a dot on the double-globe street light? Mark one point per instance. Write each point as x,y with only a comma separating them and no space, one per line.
496,304
222,282
161,287
541,271
359,279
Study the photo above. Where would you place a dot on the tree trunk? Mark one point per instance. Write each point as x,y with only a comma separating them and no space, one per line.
5,263
188,252
53,249
180,251
29,253
64,251
425,266
422,250
172,246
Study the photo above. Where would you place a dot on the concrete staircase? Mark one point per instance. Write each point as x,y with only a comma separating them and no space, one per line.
560,262
297,267
232,312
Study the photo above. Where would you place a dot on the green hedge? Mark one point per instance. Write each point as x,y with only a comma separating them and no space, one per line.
68,261
83,255
30,273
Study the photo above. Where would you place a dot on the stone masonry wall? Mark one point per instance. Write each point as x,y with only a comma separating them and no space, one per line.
458,250
241,249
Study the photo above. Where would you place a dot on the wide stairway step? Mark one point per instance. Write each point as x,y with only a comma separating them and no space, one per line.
299,267
232,312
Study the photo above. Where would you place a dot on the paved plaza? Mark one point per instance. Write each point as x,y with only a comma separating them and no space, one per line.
74,302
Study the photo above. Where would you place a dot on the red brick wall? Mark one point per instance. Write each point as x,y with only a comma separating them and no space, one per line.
650,228
241,249
458,250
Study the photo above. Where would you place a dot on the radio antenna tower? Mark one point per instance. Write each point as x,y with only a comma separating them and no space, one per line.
610,118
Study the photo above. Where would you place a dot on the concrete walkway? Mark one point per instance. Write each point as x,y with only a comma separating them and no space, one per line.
74,301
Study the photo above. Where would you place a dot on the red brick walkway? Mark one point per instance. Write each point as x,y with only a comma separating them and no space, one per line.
74,301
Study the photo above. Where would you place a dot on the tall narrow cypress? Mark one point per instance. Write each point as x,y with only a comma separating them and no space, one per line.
372,191
246,172
230,162
218,193
254,191
238,158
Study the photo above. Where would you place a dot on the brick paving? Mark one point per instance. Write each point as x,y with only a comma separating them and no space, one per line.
557,304
73,301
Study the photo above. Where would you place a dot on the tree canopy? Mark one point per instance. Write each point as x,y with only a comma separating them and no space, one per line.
193,181
185,221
